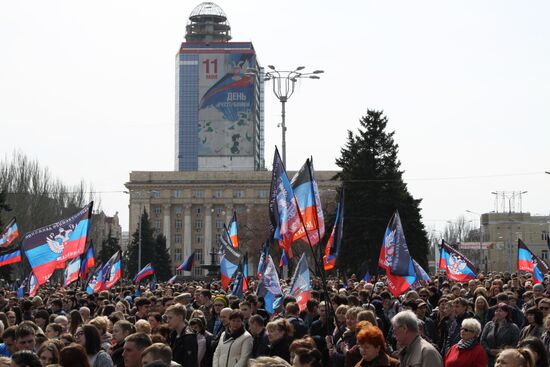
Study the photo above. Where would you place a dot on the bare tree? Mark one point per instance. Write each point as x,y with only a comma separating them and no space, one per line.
458,230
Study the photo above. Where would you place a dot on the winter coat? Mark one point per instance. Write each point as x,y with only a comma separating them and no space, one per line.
420,353
471,357
233,351
260,344
280,348
506,335
534,331
383,360
184,348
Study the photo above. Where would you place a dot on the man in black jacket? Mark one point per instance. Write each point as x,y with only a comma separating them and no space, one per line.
182,341
257,329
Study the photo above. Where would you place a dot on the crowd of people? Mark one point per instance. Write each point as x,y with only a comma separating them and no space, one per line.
498,319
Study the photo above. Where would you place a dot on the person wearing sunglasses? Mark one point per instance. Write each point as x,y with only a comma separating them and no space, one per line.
468,351
499,332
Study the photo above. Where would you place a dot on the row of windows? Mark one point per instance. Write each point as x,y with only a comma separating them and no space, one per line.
217,194
219,210
178,239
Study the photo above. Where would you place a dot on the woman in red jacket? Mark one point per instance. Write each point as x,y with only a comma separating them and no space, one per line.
468,351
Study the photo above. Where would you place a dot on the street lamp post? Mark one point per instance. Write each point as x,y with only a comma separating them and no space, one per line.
481,257
283,82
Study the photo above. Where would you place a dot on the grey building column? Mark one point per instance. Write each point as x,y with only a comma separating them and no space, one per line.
187,244
207,233
167,225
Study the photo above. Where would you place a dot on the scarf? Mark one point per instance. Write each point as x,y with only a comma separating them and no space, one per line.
467,344
233,335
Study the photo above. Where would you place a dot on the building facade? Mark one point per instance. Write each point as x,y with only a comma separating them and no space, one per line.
497,250
102,226
219,96
190,208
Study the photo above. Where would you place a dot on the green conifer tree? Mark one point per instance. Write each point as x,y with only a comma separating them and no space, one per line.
162,263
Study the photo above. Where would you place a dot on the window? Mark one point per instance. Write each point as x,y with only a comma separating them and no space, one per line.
544,236
219,224
177,238
197,271
218,194
238,194
198,238
218,238
177,255
157,210
219,211
263,194
178,224
198,224
155,194
197,211
157,225
178,210
178,194
240,209
197,194
544,255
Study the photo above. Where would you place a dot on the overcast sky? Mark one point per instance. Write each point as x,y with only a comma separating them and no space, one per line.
88,89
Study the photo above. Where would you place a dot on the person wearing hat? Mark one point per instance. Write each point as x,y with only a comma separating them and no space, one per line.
214,323
430,328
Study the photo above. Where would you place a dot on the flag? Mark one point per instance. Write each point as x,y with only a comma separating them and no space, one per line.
227,270
71,271
420,272
309,203
367,276
283,206
49,246
153,283
529,262
148,270
335,240
87,262
269,286
172,280
264,257
284,259
227,247
456,265
395,258
300,286
188,264
9,234
11,257
234,231
245,272
95,283
238,283
112,270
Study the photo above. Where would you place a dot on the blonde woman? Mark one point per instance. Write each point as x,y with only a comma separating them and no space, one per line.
481,306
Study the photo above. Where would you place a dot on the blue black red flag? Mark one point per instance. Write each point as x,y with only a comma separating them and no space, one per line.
227,246
284,259
264,256
420,272
334,242
10,257
112,270
283,206
234,231
300,285
245,272
529,262
188,264
456,265
172,280
71,271
269,286
147,271
48,247
95,283
88,262
9,234
309,203
227,270
395,258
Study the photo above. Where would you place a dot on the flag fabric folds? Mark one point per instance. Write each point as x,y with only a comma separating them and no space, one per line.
420,272
309,203
284,259
188,264
529,262
283,207
87,262
147,271
334,242
71,271
227,247
49,246
456,265
9,234
112,270
264,257
234,231
227,270
300,286
245,273
172,280
395,258
367,277
269,286
28,285
95,283
11,257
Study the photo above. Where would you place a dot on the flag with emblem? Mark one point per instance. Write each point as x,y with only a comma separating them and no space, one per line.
9,234
456,265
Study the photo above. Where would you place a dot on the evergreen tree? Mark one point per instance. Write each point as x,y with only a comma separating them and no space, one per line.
108,248
374,189
147,247
162,263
